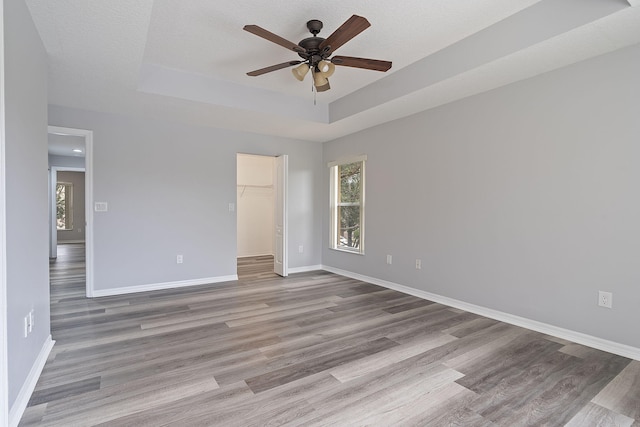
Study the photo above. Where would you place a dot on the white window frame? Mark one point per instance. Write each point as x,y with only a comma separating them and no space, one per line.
334,182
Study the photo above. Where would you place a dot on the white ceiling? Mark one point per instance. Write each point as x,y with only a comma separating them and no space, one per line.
186,60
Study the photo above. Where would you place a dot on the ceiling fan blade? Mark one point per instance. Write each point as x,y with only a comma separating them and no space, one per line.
274,38
351,28
368,64
273,68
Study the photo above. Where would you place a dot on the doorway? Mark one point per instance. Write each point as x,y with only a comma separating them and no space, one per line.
261,215
71,150
68,187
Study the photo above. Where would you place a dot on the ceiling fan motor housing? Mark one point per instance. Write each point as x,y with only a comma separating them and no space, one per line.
311,45
314,26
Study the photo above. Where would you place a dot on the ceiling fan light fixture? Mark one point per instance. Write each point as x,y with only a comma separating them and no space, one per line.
325,87
319,79
300,71
326,68
315,52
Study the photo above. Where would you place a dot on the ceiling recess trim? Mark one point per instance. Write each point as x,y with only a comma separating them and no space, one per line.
533,25
159,80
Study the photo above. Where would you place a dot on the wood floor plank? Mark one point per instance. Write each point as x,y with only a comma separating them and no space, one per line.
564,397
300,370
394,408
491,349
313,348
596,415
119,404
521,386
377,361
362,403
61,391
450,407
524,351
622,395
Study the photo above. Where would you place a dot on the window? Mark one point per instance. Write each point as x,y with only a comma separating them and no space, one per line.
64,207
347,205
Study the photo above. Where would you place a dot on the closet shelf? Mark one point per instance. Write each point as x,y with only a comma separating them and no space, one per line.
245,186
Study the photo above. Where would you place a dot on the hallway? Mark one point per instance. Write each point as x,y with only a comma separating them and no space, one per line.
67,275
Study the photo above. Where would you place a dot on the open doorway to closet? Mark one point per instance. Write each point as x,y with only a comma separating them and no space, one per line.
261,215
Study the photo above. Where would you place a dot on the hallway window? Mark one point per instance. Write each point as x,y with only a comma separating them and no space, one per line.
347,205
64,207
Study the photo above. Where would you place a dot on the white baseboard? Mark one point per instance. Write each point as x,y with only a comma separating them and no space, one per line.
159,286
305,269
545,328
62,242
20,404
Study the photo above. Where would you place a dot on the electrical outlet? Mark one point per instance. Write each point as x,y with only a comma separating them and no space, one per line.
389,259
605,299
232,207
26,326
179,259
418,264
300,249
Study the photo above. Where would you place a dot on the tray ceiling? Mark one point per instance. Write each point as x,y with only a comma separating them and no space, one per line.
186,61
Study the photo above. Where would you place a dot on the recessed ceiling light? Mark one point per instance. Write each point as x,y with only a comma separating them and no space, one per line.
77,150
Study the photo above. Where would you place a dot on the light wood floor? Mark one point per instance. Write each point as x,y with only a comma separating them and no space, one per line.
310,349
255,267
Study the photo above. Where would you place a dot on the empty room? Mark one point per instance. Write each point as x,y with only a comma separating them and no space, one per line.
300,213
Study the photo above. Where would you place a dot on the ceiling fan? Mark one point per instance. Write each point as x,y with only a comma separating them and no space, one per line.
316,51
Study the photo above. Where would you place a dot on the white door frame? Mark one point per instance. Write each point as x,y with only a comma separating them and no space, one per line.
88,197
4,374
281,217
282,190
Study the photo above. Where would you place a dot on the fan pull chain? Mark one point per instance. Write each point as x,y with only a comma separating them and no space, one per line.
313,89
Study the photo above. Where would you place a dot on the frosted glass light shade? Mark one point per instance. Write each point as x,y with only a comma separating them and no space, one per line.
326,68
300,71
319,79
324,87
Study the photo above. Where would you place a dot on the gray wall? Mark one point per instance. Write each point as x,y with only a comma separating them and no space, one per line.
77,232
523,199
26,194
168,189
